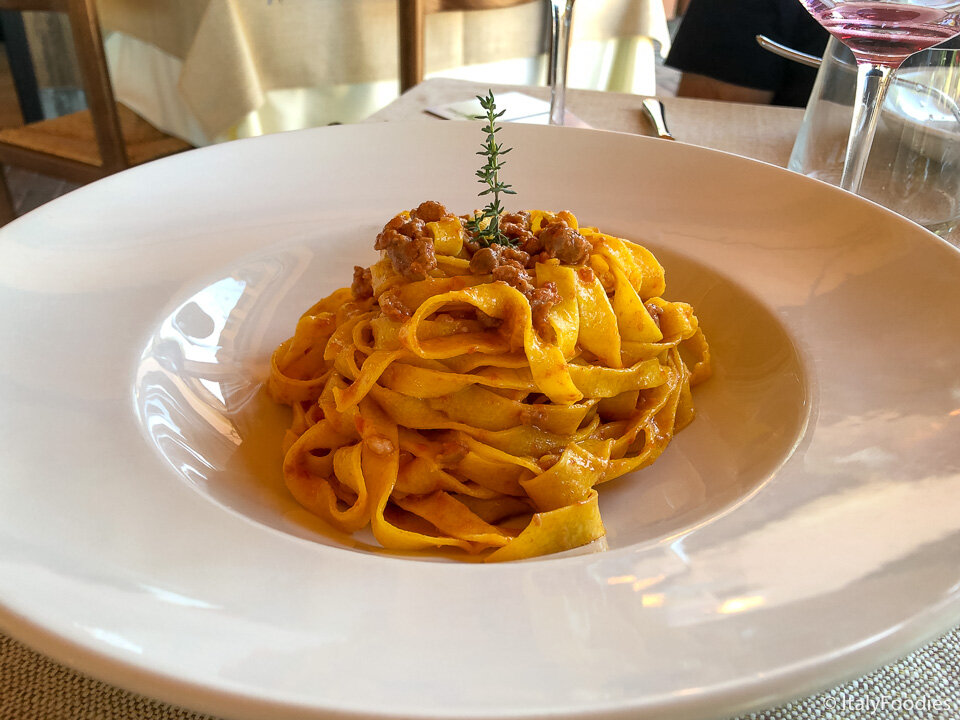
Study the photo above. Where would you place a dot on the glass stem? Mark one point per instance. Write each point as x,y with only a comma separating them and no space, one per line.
872,83
561,12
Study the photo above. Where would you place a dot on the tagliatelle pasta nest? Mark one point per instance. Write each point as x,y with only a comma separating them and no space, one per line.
475,398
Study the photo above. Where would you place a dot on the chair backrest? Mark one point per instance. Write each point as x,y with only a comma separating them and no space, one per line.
88,144
410,17
87,38
88,41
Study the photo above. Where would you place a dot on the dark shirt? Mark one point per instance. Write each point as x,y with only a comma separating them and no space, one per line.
717,38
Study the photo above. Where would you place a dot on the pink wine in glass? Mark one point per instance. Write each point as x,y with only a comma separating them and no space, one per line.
881,34
887,33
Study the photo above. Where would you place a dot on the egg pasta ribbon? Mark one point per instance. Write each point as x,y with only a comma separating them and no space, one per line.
477,398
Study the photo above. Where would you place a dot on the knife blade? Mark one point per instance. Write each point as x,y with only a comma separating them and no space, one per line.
653,109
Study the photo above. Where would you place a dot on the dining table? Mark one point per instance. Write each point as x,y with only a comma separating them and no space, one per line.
212,70
923,683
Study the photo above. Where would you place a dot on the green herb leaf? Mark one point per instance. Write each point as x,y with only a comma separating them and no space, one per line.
486,223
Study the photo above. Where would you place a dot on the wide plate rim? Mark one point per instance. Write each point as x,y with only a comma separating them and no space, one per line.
920,628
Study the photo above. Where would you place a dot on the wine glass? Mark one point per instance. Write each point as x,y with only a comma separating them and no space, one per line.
561,12
881,34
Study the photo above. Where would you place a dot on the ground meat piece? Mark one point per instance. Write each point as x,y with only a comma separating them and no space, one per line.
484,261
531,244
412,257
392,306
362,286
395,222
515,277
409,246
471,247
412,228
388,235
379,444
512,230
521,218
655,312
564,243
516,226
429,211
509,265
514,254
541,300
585,273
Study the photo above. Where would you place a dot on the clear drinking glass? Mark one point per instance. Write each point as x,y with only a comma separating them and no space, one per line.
561,13
881,34
914,163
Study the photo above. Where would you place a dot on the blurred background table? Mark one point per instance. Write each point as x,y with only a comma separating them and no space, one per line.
32,686
209,70
761,132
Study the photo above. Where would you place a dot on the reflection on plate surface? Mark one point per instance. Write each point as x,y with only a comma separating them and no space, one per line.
801,531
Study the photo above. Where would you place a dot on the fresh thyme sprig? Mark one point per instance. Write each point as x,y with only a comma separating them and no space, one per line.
489,233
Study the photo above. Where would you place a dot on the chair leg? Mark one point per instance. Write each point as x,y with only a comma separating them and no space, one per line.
7,211
410,38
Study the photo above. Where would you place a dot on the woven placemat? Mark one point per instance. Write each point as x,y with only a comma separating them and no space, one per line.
924,685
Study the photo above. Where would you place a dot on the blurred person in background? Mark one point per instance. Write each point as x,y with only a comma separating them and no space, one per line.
716,51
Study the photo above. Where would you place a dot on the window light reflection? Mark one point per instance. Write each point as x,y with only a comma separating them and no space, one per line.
637,584
739,604
113,639
178,599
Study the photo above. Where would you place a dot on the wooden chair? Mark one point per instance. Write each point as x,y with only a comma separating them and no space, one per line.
410,16
87,145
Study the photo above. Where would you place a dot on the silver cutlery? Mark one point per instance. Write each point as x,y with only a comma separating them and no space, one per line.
653,109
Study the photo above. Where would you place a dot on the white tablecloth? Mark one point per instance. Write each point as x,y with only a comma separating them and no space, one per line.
209,70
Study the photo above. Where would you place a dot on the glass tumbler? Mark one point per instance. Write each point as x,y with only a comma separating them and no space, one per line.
914,165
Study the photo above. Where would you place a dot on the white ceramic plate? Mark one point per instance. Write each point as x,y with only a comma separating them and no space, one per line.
803,530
